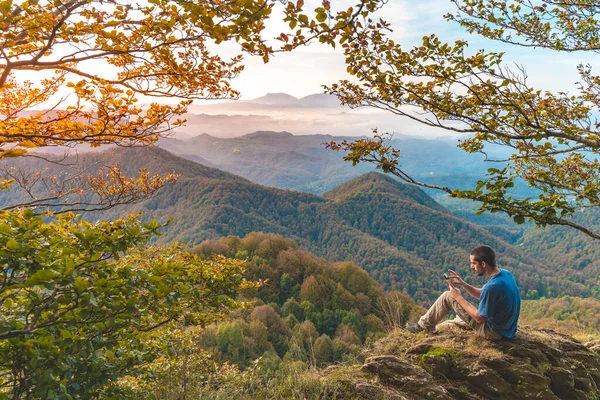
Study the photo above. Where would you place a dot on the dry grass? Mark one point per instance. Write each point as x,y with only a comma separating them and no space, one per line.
464,341
586,337
483,348
345,372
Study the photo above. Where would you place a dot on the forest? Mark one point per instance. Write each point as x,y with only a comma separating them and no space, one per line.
303,313
396,232
130,272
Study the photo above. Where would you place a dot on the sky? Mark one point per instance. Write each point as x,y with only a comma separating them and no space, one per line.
304,71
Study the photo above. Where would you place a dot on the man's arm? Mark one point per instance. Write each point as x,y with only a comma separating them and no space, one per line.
468,307
472,290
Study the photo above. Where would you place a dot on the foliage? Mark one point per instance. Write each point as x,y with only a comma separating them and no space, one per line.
184,369
78,300
260,351
86,64
574,316
315,330
323,350
553,137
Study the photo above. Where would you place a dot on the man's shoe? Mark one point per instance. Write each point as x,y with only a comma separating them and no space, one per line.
414,327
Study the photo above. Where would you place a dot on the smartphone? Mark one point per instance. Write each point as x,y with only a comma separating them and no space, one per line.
446,277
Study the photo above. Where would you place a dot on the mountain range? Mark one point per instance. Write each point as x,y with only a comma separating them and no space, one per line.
314,114
398,233
302,162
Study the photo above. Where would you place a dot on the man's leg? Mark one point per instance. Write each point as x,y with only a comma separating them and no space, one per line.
438,311
456,322
489,333
480,329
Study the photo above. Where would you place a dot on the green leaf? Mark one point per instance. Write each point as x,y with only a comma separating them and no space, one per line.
5,229
80,284
45,275
118,301
66,334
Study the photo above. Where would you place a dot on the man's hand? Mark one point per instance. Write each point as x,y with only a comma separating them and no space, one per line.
454,292
455,279
468,307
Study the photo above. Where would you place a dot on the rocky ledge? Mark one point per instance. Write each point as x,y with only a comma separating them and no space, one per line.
537,364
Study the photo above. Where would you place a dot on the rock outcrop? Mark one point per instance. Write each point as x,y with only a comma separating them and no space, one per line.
537,364
594,345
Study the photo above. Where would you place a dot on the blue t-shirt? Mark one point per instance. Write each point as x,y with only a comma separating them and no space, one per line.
500,302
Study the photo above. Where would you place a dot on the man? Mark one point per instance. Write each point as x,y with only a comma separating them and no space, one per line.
499,300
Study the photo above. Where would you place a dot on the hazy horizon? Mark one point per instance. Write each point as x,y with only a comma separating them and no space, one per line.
314,114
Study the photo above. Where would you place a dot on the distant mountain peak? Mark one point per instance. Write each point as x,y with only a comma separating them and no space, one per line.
202,136
320,100
275,98
310,101
380,183
318,96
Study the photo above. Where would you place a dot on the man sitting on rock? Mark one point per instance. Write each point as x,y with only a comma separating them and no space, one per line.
499,301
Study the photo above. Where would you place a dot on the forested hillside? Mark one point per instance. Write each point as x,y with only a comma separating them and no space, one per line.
313,329
307,309
570,253
306,313
396,232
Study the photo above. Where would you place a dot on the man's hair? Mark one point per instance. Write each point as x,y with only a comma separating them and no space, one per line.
484,253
